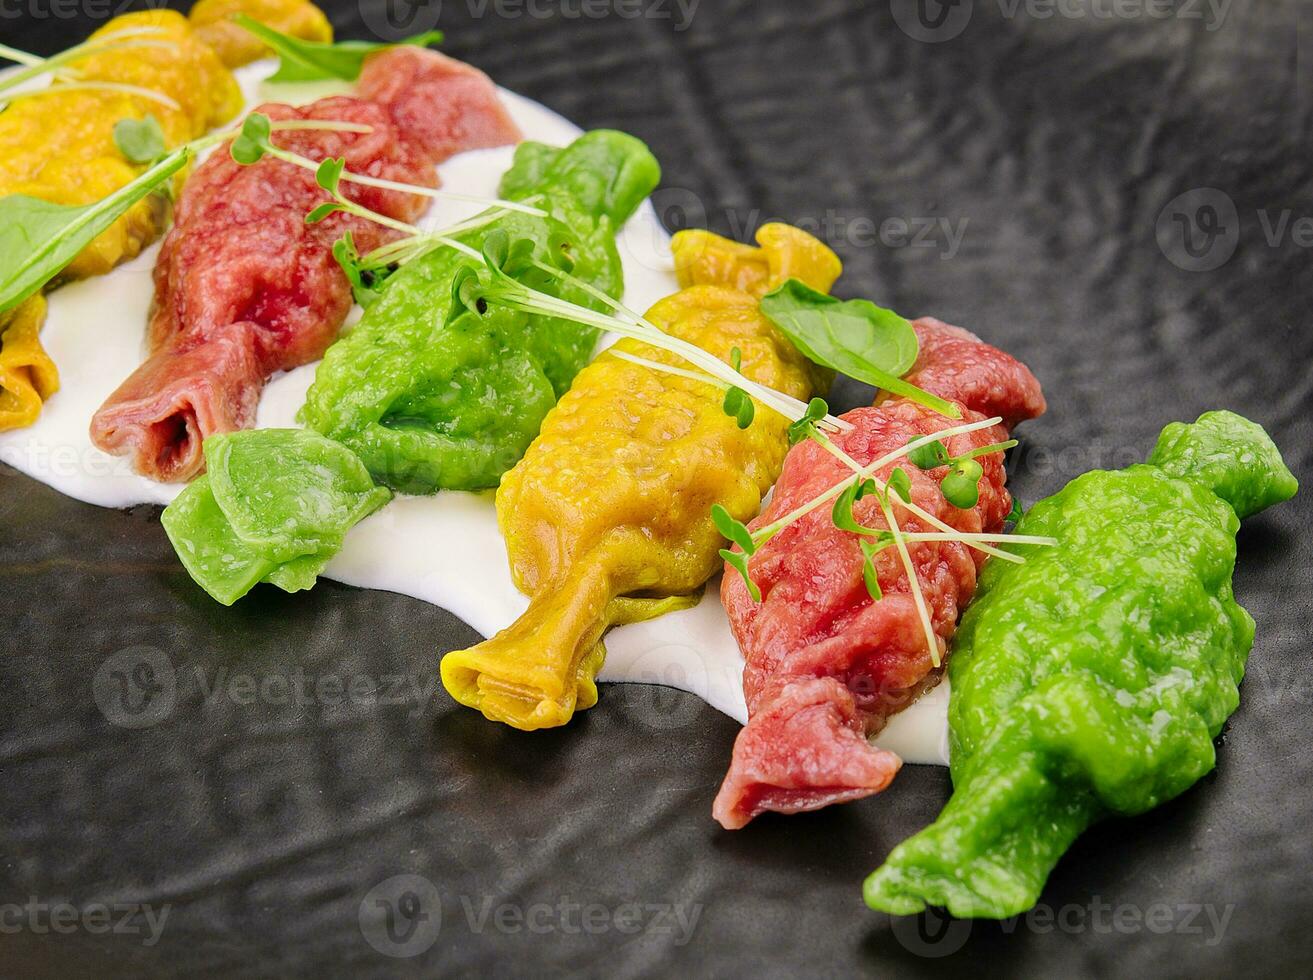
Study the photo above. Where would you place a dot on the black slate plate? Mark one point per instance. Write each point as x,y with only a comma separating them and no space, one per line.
1055,141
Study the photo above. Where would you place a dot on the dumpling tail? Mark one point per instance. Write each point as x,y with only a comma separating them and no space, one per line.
27,374
538,670
804,750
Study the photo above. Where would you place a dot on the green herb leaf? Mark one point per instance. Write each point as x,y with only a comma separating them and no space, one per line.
900,483
466,294
251,144
854,336
739,406
1016,513
842,513
805,426
329,173
731,529
140,140
869,550
322,212
314,61
738,561
961,486
363,285
505,258
39,239
929,456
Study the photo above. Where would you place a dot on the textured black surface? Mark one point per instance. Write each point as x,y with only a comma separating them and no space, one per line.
1052,145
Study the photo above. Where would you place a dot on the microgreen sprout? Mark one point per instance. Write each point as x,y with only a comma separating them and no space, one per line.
960,485
736,532
803,426
119,88
60,65
143,141
871,548
503,260
737,404
253,143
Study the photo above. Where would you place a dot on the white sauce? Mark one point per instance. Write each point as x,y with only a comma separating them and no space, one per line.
444,549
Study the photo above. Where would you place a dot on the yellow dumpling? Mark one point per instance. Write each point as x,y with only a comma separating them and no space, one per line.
212,20
607,518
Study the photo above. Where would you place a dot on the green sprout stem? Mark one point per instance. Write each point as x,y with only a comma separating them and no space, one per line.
35,66
282,126
869,471
76,86
287,156
913,582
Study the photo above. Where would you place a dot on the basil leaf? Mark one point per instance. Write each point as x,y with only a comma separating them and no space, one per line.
39,239
314,61
140,140
854,336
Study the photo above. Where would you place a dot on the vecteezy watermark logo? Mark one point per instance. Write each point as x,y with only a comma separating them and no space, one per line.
41,918
571,918
931,21
70,9
394,19
136,687
933,935
401,917
1198,231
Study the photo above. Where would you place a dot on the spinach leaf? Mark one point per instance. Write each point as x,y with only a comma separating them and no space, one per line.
38,239
854,336
314,61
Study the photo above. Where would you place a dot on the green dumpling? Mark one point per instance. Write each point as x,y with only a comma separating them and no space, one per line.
429,404
1091,680
237,525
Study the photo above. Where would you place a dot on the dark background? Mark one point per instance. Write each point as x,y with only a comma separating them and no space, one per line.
1056,145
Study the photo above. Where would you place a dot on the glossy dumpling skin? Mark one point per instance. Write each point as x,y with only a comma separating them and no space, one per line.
607,518
234,526
1092,680
430,405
